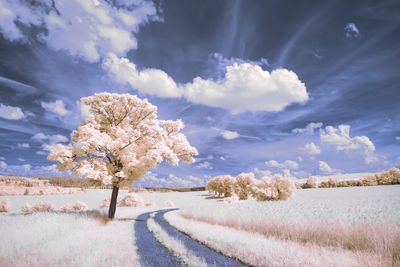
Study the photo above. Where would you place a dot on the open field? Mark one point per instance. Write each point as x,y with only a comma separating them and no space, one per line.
71,236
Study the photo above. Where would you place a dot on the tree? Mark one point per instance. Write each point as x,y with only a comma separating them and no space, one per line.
120,140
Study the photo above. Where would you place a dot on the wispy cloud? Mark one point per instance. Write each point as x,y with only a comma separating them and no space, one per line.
57,107
323,166
11,113
229,135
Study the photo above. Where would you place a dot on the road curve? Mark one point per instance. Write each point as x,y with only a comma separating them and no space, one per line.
212,257
150,251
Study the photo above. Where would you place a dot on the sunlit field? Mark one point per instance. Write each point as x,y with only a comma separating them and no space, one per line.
48,238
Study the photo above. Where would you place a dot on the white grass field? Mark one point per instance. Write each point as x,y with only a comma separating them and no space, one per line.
71,239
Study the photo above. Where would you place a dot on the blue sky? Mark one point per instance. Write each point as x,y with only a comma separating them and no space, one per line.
276,87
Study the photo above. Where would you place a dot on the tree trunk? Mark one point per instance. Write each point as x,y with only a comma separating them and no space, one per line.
113,203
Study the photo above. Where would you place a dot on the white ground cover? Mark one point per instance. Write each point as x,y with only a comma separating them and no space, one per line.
71,240
175,246
256,250
350,205
50,239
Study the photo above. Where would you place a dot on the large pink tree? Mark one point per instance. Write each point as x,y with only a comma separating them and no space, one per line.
120,140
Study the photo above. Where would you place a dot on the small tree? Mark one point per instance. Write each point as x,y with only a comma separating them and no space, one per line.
120,140
243,185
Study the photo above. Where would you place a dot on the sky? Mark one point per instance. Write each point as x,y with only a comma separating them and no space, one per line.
295,88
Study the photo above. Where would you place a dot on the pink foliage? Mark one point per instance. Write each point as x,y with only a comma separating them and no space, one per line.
233,199
132,200
79,205
169,203
26,207
151,203
5,205
121,139
43,206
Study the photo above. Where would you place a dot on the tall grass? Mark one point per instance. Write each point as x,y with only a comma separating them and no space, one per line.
383,239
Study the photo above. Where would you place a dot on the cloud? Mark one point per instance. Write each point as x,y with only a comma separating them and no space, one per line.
311,149
84,110
309,128
148,81
229,135
57,107
287,164
398,138
3,165
50,168
262,173
57,138
86,29
245,87
323,166
49,142
341,140
218,63
23,145
222,158
153,180
11,113
351,31
204,165
21,159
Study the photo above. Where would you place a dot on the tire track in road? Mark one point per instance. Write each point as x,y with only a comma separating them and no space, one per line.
212,257
150,251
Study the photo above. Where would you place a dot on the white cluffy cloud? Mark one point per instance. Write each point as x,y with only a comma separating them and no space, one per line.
57,107
311,149
287,164
49,142
310,128
11,113
245,87
341,140
204,165
88,29
323,166
351,31
229,135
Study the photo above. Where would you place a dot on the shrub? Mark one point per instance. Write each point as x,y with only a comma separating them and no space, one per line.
26,207
275,189
132,200
223,185
43,206
5,205
80,206
233,199
67,207
243,185
169,203
311,182
106,202
26,192
151,203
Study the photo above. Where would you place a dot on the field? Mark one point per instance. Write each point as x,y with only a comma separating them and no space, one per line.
77,239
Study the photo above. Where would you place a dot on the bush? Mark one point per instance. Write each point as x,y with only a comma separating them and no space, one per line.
223,185
132,200
275,189
243,185
5,205
311,182
26,207
233,199
151,203
26,192
43,206
106,202
78,206
169,203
